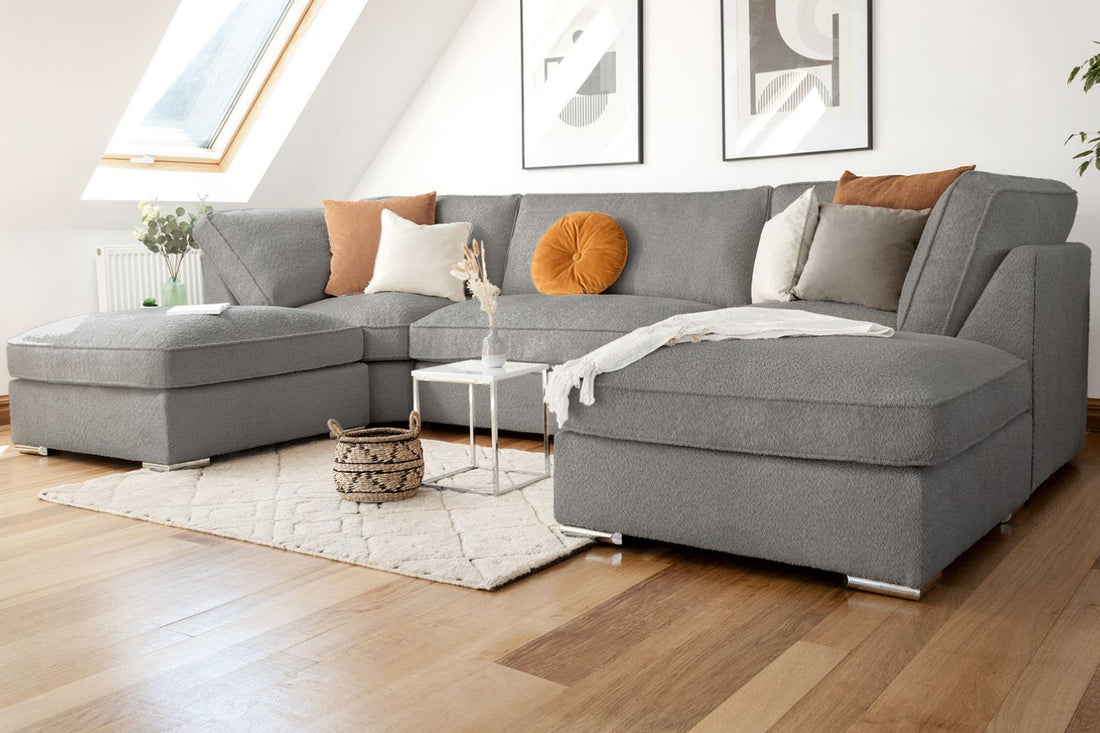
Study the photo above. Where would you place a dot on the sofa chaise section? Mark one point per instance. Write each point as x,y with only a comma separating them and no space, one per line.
911,400
884,460
165,390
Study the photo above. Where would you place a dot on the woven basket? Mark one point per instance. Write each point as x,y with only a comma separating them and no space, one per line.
378,464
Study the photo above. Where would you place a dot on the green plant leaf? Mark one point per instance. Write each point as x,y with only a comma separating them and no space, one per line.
180,211
1083,167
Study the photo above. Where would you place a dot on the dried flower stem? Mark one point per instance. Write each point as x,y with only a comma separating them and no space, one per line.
473,270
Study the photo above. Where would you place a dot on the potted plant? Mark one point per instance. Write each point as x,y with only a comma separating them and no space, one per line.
171,236
1089,74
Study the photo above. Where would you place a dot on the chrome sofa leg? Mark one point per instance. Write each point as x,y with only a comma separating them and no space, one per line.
614,538
889,589
200,463
33,450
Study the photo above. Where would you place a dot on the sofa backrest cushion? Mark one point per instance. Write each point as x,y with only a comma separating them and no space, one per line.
268,256
785,195
976,222
493,218
691,246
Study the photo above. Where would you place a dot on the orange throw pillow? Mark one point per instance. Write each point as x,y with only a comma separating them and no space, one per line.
353,231
920,191
583,252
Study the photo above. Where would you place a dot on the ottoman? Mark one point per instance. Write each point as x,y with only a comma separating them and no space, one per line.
172,391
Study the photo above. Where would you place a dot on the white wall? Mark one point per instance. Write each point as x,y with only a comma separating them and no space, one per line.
70,69
981,81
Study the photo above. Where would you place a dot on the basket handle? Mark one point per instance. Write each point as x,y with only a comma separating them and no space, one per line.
335,429
414,423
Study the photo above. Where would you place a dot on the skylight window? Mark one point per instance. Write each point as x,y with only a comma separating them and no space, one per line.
205,77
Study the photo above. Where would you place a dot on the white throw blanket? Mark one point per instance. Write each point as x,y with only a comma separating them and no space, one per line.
717,325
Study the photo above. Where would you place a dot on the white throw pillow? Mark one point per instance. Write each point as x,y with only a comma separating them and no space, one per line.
784,247
418,258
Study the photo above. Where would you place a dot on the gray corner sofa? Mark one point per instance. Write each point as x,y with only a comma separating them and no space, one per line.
882,459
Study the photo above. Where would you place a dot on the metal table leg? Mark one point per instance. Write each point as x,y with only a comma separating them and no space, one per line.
545,427
496,437
473,415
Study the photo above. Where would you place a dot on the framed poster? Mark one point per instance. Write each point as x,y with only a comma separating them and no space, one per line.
581,65
796,77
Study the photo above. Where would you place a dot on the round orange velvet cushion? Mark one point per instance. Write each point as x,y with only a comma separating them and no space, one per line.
583,252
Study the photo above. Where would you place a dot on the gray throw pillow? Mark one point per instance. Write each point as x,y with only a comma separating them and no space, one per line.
860,255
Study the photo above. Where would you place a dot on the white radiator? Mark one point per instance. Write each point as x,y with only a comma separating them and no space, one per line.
129,274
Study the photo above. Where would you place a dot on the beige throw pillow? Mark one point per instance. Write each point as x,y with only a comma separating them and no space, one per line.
417,258
784,245
860,255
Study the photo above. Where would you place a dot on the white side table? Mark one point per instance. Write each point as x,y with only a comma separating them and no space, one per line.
472,373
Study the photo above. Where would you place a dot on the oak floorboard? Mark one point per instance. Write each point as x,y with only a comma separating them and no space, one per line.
711,650
576,649
108,623
763,700
961,676
1086,718
1050,689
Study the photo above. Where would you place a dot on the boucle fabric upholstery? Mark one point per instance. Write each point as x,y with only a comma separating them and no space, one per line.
149,349
543,328
898,524
169,426
268,256
688,246
1036,307
909,400
980,218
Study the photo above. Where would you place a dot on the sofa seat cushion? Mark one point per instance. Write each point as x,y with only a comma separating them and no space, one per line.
546,328
148,349
384,318
910,400
840,310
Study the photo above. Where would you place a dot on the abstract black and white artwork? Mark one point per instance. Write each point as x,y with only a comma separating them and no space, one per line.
796,77
582,94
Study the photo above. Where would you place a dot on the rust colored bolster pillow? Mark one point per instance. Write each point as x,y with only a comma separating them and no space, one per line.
584,252
920,191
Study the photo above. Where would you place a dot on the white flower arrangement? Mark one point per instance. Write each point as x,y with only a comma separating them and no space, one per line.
472,269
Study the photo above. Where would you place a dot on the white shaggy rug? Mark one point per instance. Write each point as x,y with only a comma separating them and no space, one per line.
285,497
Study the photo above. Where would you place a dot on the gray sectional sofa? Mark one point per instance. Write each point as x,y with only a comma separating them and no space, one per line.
882,459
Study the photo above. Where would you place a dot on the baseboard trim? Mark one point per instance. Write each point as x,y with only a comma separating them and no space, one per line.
5,409
1092,415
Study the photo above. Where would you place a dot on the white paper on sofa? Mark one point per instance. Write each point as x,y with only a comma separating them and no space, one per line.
202,309
718,325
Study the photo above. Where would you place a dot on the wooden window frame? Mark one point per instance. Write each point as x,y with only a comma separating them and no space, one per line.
246,123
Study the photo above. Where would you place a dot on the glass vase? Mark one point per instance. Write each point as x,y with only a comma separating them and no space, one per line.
493,351
173,292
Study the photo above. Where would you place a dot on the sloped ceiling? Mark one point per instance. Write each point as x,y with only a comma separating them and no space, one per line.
70,69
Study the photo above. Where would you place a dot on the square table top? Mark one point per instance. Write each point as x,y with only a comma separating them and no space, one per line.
471,371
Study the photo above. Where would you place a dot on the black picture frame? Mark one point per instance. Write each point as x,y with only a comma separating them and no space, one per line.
860,52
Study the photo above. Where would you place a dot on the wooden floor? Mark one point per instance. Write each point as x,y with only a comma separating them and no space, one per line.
109,623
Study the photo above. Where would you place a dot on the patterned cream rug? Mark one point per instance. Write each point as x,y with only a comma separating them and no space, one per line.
285,497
